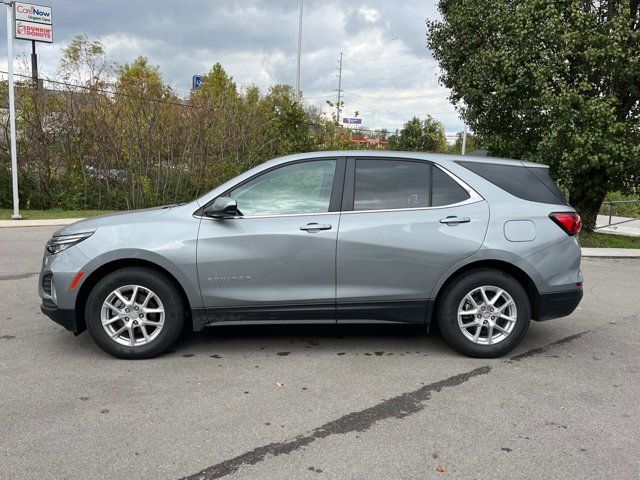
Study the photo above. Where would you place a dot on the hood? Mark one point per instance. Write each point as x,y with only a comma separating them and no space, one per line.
117,218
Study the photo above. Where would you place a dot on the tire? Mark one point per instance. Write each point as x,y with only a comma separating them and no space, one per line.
461,294
155,316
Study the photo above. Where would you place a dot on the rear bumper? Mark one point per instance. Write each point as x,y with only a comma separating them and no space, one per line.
62,316
560,304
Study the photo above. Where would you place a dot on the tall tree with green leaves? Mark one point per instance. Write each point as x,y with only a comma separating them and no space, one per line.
417,135
288,128
552,81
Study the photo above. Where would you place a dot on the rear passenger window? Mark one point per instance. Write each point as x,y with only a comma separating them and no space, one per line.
533,184
389,184
446,191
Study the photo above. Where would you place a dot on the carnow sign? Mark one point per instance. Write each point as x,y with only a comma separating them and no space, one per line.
33,13
352,121
33,22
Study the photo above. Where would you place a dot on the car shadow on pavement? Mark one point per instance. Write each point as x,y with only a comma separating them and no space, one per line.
289,338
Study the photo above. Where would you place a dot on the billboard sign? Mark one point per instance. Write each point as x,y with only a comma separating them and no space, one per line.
37,32
32,22
197,82
352,121
32,13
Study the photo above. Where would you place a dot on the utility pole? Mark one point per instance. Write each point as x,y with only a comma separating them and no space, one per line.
464,139
12,111
299,51
339,89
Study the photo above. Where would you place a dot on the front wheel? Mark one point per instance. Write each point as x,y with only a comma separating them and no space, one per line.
485,313
134,312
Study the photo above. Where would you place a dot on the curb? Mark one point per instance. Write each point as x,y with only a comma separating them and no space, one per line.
53,222
610,253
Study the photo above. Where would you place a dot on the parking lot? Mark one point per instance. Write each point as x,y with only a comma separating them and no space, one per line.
317,402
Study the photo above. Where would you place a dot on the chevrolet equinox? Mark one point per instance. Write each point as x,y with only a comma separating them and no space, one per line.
478,246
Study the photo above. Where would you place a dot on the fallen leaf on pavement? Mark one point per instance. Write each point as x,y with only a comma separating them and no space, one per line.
441,468
104,410
435,455
84,398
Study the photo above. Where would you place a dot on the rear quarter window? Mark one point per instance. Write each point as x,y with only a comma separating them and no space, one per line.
445,191
528,183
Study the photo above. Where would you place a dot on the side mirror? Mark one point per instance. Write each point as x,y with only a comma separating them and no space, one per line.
222,207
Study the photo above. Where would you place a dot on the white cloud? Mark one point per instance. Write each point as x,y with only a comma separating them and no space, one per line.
388,74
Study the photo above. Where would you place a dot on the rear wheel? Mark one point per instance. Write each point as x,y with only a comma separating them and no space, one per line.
485,313
134,312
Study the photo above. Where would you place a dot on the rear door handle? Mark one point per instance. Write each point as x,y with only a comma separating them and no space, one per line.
315,227
452,220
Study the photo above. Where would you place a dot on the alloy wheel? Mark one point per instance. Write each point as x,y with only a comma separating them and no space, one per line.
487,315
132,315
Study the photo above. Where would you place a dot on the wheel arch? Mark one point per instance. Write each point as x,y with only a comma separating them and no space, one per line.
501,265
111,266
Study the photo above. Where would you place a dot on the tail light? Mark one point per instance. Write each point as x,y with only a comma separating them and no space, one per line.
570,222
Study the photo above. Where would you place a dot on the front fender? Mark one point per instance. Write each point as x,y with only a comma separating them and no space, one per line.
184,273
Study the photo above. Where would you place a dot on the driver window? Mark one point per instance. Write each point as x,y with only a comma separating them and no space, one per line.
303,187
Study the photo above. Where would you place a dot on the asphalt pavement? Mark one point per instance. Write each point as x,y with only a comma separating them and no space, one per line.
321,402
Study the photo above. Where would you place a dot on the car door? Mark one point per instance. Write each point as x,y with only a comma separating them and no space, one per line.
404,223
276,260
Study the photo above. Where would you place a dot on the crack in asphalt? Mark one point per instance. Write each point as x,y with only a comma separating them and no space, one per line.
401,406
538,350
18,276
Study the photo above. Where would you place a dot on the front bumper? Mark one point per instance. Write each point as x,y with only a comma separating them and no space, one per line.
560,304
62,316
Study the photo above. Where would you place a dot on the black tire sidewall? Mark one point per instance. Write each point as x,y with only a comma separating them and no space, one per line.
156,281
447,312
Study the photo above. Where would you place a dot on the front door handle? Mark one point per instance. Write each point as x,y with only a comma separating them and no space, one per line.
315,227
453,220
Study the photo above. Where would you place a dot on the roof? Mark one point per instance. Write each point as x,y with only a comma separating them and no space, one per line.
441,158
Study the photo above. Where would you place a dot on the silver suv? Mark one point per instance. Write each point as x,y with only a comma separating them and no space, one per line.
477,245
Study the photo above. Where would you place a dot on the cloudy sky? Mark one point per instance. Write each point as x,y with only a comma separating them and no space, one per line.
388,73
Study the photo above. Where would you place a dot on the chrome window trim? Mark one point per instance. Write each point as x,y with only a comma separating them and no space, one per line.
271,216
474,197
408,209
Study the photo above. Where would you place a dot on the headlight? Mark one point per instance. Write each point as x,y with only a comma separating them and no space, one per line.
62,242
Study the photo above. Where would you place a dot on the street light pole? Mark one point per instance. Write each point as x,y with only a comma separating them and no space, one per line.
464,139
339,90
299,51
12,111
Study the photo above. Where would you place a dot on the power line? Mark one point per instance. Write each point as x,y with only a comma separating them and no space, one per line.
395,67
377,60
378,97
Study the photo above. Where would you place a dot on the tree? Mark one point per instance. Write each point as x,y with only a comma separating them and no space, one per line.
288,126
556,82
420,136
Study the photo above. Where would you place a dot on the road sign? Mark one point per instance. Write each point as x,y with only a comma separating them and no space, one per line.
197,82
352,121
33,22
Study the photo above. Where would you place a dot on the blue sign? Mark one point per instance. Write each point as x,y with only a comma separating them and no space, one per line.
197,82
352,121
